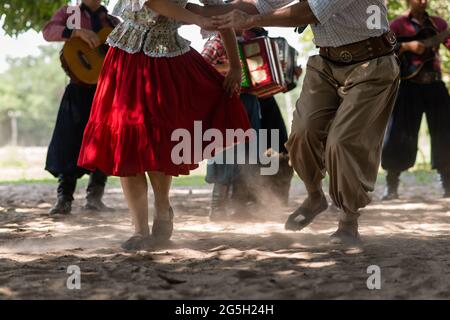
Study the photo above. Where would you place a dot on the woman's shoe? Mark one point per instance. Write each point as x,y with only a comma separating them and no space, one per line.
162,229
137,242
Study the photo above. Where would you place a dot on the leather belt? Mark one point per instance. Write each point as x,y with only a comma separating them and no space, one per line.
361,51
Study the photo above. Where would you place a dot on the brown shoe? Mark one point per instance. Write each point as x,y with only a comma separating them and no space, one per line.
303,216
346,234
137,242
162,229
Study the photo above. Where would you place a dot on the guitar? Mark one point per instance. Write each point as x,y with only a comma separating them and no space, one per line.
431,39
81,63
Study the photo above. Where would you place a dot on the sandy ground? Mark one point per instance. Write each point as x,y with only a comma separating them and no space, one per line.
408,239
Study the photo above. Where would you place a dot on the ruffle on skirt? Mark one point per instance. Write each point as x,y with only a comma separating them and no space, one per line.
141,100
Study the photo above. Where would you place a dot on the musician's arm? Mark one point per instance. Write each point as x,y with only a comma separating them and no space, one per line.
56,29
447,44
447,41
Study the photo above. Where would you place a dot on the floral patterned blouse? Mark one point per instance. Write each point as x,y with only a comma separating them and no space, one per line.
144,30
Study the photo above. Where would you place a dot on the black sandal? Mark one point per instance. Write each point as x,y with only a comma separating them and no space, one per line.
162,229
295,224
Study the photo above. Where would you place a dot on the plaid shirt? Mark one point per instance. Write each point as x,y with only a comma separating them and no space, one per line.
341,22
407,26
214,51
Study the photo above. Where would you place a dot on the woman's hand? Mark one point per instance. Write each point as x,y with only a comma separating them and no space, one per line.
233,80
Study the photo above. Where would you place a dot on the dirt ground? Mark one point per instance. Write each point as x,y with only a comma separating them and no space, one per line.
408,239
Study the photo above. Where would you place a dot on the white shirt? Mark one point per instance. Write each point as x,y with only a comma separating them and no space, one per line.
341,21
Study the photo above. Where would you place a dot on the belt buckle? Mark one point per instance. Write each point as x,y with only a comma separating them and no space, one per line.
346,56
391,38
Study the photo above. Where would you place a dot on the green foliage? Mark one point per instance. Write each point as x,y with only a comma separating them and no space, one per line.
22,15
33,85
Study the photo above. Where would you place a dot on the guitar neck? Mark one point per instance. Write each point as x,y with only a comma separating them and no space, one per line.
437,39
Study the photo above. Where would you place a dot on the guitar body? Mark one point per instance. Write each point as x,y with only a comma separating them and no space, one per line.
411,63
81,63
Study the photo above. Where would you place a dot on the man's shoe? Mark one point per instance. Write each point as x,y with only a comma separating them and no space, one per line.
445,180
96,205
62,206
304,215
219,201
390,195
66,188
346,234
392,183
95,191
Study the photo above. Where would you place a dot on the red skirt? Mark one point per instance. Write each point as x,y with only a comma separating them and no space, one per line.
141,100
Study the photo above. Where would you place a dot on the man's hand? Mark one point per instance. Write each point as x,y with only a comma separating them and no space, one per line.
206,23
233,80
416,47
236,19
88,36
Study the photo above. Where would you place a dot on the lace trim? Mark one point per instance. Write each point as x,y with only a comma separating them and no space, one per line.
144,30
154,42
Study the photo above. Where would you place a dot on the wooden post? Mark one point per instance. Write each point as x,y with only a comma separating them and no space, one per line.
14,115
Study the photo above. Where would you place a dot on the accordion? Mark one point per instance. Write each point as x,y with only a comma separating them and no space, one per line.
268,66
289,57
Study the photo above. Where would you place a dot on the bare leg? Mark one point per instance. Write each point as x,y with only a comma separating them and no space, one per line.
162,228
135,191
161,187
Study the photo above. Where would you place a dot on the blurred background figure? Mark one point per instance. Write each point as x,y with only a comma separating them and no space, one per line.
237,190
75,109
230,185
421,91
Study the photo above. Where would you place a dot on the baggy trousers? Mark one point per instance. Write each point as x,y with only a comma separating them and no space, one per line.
339,124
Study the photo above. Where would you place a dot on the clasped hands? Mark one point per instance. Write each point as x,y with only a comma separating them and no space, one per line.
235,19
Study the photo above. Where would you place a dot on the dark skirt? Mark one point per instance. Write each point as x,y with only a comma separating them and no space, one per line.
67,136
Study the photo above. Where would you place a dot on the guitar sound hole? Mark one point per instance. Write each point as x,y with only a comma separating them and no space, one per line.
84,60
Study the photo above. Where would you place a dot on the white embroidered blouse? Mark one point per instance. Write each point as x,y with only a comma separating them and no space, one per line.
144,30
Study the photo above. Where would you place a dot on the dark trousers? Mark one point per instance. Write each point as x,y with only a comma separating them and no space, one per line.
400,145
272,119
65,145
66,142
